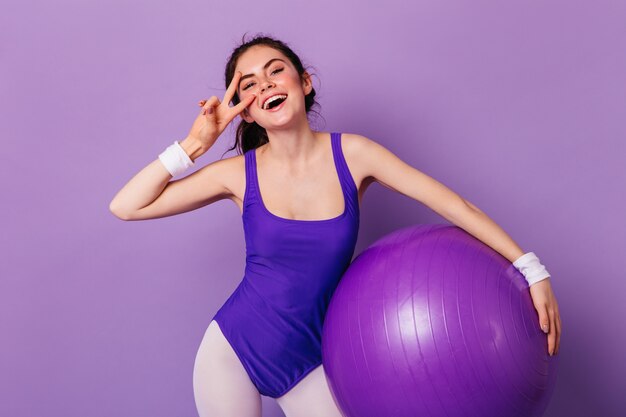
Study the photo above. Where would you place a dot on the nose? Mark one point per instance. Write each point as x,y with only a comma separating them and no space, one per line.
266,85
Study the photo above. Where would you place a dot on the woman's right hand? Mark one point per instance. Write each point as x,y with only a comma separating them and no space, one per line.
216,115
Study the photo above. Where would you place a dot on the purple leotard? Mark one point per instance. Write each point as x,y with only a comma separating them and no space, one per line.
273,320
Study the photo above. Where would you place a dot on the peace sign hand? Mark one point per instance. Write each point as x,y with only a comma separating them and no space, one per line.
216,115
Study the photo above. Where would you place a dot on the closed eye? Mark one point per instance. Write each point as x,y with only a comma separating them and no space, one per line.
252,83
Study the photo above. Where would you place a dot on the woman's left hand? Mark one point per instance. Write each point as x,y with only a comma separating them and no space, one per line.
548,309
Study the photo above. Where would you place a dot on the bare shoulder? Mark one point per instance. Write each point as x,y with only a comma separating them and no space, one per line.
359,151
352,142
353,147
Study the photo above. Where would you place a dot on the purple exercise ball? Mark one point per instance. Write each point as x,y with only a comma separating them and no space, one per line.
429,321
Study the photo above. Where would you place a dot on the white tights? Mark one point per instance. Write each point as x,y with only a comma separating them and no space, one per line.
222,388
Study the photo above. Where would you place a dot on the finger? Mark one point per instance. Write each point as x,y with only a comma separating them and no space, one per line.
243,104
232,87
544,322
212,102
552,335
558,333
209,106
544,319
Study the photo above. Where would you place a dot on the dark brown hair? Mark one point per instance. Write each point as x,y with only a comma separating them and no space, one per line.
252,135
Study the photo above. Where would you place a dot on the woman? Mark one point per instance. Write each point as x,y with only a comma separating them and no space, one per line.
300,224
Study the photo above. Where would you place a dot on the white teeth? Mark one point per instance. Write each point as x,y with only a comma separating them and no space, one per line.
269,100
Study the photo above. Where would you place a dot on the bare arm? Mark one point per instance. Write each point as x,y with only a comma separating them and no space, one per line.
150,193
392,172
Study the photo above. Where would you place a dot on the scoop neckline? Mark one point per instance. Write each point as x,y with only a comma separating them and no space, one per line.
284,219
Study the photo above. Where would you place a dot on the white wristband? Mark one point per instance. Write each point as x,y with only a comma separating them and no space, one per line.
528,264
175,159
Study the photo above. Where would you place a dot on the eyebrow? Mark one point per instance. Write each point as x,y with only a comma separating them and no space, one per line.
264,67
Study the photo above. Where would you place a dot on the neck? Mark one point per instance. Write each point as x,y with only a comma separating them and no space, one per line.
293,146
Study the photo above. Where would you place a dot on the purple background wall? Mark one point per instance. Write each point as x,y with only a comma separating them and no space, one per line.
517,106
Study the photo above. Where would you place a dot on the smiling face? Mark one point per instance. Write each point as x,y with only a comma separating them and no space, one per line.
266,72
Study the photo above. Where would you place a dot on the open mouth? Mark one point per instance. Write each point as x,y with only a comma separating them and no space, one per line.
273,103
